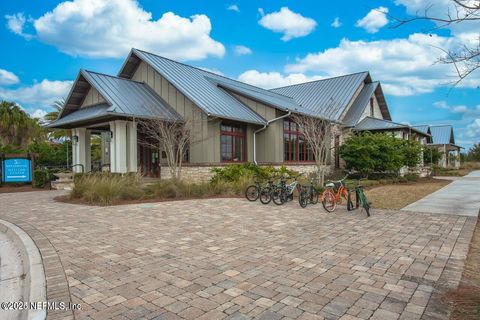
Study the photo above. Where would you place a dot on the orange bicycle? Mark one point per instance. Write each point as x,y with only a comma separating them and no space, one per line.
333,193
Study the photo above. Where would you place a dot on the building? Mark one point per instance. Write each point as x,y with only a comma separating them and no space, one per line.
443,139
233,121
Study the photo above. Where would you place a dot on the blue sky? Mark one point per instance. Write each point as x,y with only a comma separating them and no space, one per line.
266,43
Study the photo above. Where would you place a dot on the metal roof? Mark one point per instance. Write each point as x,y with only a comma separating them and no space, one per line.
424,128
198,86
265,96
129,97
82,114
123,98
358,107
328,97
442,134
373,124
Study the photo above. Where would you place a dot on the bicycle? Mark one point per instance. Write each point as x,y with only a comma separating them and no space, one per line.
308,194
284,192
252,193
358,196
266,193
333,193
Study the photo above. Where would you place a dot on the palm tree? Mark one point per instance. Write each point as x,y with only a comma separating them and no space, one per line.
52,116
16,126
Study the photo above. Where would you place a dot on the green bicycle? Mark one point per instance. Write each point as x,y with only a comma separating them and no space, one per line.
357,198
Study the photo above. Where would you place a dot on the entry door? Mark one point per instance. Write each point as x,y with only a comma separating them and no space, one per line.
149,162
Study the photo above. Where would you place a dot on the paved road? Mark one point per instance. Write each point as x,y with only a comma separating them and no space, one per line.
460,197
233,259
11,280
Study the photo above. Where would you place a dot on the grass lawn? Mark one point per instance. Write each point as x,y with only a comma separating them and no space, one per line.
397,196
465,300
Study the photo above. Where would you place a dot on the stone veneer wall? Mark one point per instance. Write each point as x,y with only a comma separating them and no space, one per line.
202,173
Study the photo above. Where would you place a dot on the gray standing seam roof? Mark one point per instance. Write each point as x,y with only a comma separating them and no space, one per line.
442,134
358,107
423,128
370,123
132,98
327,97
82,114
198,86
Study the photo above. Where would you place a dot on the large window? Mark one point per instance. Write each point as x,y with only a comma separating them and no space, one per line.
232,143
295,148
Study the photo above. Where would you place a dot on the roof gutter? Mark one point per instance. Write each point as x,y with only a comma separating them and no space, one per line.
263,128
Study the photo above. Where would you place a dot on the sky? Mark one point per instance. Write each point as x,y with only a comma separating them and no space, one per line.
265,43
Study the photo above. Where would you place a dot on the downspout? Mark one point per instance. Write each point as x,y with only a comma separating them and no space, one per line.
261,129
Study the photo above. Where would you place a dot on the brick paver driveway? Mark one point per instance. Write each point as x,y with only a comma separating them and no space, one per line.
229,258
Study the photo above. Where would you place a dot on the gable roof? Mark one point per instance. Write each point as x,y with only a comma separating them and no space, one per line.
375,124
123,98
442,134
424,128
328,97
198,85
353,115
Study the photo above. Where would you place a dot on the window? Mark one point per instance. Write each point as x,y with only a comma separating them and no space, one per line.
372,113
232,143
295,147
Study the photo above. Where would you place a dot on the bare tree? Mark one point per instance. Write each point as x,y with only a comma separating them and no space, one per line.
318,133
172,137
466,57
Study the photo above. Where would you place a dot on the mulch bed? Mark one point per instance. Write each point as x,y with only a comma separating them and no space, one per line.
67,199
465,300
21,188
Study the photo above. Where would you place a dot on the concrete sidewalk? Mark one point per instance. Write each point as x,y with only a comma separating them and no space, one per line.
461,197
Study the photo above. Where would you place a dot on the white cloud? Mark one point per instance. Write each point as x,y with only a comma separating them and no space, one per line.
242,50
291,24
441,105
374,20
233,7
42,93
269,80
336,23
404,66
38,113
110,28
7,77
216,71
16,23
473,130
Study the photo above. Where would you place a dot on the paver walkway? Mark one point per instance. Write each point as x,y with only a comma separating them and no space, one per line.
460,197
233,259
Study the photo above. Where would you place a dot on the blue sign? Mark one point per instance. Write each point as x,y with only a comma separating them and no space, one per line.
17,170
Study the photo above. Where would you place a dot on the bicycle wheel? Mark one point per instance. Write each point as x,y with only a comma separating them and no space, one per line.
352,201
252,193
314,197
328,200
303,198
265,195
278,196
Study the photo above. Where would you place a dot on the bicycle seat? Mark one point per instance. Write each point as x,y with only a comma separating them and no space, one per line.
330,184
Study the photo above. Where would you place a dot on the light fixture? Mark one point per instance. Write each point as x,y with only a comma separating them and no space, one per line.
75,139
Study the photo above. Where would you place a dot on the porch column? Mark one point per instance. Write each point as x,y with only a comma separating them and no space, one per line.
88,150
74,149
80,149
118,146
132,146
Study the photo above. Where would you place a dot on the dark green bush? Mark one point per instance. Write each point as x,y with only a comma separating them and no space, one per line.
42,177
411,177
248,170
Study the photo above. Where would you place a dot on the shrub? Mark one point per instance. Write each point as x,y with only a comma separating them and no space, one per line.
380,152
431,155
105,188
41,177
248,170
411,177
